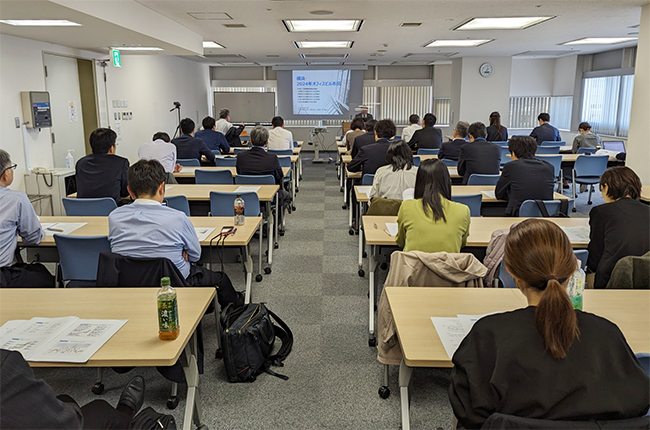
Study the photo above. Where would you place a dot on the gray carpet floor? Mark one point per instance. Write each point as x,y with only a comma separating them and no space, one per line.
333,374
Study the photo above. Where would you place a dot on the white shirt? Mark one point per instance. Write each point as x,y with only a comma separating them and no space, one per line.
280,138
408,131
161,151
391,185
222,126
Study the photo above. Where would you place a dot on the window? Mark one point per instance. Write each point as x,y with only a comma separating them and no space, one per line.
560,112
524,111
398,103
442,110
606,104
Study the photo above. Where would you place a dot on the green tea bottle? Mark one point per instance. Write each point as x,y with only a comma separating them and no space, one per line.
168,326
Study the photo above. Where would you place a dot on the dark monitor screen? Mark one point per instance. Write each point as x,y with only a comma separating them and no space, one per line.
614,145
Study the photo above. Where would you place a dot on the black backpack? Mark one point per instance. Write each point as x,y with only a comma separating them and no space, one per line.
563,212
247,340
149,419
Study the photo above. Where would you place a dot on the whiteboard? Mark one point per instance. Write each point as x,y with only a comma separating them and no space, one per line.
246,107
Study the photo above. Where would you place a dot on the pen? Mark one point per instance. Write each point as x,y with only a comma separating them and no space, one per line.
234,231
386,231
55,229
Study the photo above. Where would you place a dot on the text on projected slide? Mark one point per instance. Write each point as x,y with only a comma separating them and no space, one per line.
320,92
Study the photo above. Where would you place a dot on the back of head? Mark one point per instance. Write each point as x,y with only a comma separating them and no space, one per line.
385,129
145,177
433,182
584,126
461,129
621,182
414,119
477,130
277,121
161,135
224,113
544,117
357,124
370,125
208,123
399,155
5,161
522,146
259,135
538,254
101,140
495,120
429,120
187,126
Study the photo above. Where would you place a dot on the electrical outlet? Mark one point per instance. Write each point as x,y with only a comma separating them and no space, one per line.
17,122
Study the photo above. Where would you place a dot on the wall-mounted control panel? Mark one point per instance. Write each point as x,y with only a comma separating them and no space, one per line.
36,109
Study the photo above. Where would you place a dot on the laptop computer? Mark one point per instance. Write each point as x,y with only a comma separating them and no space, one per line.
614,145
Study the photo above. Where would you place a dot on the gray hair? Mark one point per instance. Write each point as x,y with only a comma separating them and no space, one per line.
5,160
259,135
461,128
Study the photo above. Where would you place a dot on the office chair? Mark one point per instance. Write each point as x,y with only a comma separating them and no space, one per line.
586,150
281,151
367,179
226,162
239,150
89,207
416,160
179,203
188,162
473,201
556,162
547,149
449,162
215,177
428,151
78,258
477,179
553,143
587,170
529,208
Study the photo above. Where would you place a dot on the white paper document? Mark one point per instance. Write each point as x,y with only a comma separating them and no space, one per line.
365,190
168,187
63,340
189,168
203,232
247,189
451,333
52,228
578,234
489,194
391,227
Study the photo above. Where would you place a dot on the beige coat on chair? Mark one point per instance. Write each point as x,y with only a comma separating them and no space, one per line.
421,269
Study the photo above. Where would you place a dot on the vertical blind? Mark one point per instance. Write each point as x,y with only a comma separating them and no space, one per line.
524,111
607,104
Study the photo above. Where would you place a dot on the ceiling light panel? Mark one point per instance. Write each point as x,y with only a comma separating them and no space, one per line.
503,23
209,44
600,41
137,48
210,16
322,25
458,43
40,23
312,44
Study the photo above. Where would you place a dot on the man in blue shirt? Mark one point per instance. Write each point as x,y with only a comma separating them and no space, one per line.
17,217
212,138
545,132
189,147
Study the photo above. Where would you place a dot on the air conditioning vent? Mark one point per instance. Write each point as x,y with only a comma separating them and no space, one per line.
410,24
234,25
225,57
543,53
210,16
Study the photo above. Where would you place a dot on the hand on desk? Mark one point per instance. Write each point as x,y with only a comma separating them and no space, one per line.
177,168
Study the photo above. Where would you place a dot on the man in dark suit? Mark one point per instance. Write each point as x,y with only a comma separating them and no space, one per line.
545,132
371,157
525,177
451,149
428,136
189,147
364,115
214,140
102,173
479,156
364,139
29,403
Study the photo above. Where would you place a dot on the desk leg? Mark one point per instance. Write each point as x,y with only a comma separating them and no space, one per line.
294,180
300,163
350,214
258,278
405,373
359,214
269,227
372,266
345,187
361,240
191,370
248,267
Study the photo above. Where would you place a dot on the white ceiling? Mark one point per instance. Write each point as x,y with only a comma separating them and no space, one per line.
168,24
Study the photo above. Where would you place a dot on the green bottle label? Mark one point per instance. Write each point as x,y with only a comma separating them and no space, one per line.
167,312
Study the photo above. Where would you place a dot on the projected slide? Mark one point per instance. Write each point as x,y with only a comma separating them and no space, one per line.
320,92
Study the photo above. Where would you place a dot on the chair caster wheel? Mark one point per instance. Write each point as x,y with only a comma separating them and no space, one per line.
218,354
202,427
341,189
267,270
275,245
281,232
356,232
361,273
383,266
172,402
351,232
574,210
384,392
344,207
98,388
258,278
365,254
293,208
372,342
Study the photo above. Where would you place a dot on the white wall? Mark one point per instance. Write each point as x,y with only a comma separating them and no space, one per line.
442,80
532,77
564,75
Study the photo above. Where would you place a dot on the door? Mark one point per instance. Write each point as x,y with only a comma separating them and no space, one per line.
62,82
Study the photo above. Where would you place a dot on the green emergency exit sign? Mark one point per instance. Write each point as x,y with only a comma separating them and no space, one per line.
117,60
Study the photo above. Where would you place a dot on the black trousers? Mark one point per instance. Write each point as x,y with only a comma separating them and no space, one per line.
26,275
99,414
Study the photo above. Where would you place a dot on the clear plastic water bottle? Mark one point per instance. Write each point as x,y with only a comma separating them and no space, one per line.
239,210
575,287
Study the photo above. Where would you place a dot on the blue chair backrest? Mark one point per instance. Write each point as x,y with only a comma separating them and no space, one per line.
285,161
556,162
416,160
295,143
281,151
644,359
89,207
586,150
529,209
245,138
548,149
226,161
254,180
189,162
477,179
583,256
367,179
397,137
428,151
501,143
449,162
217,177
216,152
79,255
222,204
509,282
553,143
238,150
473,201
179,203
505,155
590,165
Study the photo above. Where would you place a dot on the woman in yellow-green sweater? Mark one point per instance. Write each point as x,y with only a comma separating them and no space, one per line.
432,222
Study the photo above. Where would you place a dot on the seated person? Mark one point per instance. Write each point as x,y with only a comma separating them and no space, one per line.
147,229
188,147
451,149
546,361
495,131
479,156
279,137
585,138
364,115
17,217
372,156
365,138
432,222
164,151
229,130
390,181
545,132
525,177
428,136
357,128
620,227
414,125
102,173
30,403
213,139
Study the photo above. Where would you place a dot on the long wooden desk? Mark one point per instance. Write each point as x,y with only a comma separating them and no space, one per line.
189,171
136,343
413,307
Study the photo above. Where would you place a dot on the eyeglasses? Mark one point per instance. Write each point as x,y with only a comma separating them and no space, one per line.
12,167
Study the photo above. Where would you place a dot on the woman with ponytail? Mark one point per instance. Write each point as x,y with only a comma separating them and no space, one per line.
495,131
546,361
